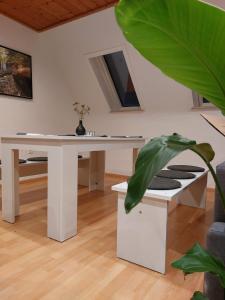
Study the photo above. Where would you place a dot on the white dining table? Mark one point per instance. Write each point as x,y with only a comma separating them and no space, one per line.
62,154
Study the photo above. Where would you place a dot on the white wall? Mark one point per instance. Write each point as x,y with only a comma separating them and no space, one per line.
167,105
50,111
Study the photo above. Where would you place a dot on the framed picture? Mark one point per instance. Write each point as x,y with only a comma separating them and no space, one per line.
15,73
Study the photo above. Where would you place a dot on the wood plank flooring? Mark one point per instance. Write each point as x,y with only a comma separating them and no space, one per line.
85,267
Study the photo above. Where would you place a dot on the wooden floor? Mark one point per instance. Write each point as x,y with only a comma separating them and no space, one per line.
85,267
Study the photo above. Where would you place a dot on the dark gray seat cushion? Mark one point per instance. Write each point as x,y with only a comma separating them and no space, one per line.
159,183
186,168
21,161
38,158
42,158
175,174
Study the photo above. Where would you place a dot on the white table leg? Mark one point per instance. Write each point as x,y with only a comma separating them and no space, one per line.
10,184
16,182
97,170
62,193
142,234
195,194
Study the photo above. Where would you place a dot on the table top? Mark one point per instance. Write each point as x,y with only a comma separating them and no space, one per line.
162,194
71,137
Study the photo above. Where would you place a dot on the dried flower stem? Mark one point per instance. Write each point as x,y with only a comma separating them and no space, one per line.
81,109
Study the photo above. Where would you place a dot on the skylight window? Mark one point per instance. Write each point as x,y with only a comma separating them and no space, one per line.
115,80
201,102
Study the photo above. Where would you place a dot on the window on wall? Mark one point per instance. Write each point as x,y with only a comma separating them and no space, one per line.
115,80
200,101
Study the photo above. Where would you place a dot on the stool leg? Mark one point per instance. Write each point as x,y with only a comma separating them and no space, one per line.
142,234
97,170
195,194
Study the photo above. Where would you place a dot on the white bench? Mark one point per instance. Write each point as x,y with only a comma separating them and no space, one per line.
142,234
30,168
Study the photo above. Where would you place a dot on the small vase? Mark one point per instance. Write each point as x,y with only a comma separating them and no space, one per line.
80,130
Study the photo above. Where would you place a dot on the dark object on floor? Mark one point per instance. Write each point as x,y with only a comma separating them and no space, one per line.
164,184
21,161
186,168
215,241
175,174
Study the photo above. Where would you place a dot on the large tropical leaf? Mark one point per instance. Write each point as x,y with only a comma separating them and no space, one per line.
198,259
154,156
183,38
151,159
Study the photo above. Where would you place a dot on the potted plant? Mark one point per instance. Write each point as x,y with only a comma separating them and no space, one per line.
185,39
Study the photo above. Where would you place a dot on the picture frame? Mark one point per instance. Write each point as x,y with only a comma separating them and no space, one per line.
15,73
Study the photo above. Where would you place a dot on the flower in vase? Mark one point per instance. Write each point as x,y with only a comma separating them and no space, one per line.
81,109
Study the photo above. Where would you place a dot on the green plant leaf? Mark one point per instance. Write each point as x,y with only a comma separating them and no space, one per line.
199,296
198,259
153,157
206,152
185,39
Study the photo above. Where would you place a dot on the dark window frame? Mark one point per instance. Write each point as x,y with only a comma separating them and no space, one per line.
198,101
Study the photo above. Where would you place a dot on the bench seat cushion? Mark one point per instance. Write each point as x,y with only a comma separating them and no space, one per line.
164,184
42,158
38,158
175,174
186,168
21,161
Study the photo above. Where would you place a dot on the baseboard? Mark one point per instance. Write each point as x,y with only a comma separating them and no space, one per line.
30,178
117,176
119,172
33,177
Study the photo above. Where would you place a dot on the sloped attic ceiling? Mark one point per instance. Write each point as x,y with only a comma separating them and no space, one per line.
44,14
